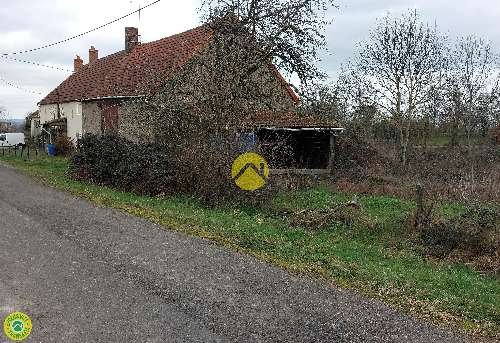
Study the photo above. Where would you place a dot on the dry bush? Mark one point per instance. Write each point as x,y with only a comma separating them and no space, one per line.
349,213
453,173
356,158
64,146
494,135
204,172
472,237
459,174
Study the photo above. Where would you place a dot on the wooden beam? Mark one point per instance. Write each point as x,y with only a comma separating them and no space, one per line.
331,159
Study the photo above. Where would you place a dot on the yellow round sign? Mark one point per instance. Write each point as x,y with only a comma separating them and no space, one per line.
17,326
250,171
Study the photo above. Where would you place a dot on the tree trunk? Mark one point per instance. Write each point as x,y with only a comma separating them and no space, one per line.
454,131
404,139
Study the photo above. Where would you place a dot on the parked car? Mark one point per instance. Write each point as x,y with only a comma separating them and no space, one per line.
11,139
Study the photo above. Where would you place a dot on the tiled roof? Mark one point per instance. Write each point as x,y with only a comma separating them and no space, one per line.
132,74
90,81
290,119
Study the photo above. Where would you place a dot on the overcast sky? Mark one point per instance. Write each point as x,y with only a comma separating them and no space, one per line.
26,24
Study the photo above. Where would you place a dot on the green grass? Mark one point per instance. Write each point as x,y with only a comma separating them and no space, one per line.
445,140
378,261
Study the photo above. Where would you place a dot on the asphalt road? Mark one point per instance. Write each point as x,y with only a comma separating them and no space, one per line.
90,274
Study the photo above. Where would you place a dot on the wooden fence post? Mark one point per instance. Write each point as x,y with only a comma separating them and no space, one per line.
420,205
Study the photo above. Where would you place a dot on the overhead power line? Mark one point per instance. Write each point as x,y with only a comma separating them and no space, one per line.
81,34
19,87
35,63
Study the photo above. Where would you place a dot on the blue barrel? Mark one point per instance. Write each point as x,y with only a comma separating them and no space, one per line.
51,149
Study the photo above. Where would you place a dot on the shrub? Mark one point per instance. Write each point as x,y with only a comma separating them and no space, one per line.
200,170
474,234
64,146
114,161
203,170
356,157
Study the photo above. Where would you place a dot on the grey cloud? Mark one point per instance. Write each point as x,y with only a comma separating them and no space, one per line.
45,21
353,21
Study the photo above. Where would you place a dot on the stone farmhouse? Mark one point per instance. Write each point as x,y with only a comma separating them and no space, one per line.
97,97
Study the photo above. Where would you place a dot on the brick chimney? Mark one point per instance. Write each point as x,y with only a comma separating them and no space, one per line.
78,63
93,54
131,38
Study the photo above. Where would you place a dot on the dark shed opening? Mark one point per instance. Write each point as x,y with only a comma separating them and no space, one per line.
296,148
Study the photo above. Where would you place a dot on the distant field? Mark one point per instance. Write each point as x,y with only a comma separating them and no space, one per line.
375,257
444,140
16,124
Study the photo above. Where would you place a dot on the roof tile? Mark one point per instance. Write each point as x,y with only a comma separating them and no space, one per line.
122,74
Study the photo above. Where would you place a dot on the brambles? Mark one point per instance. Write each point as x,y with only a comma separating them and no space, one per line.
64,146
472,237
356,157
199,171
114,161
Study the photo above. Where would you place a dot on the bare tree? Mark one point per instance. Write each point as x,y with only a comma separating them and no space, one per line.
326,100
200,112
287,32
400,65
472,79
495,107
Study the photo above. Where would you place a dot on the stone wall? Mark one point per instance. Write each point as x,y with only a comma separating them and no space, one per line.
131,124
134,124
91,122
193,81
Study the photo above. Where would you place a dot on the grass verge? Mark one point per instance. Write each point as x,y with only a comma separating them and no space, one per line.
378,261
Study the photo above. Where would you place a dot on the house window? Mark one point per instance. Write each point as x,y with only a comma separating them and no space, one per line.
2,137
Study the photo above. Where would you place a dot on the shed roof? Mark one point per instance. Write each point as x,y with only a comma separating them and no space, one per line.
289,120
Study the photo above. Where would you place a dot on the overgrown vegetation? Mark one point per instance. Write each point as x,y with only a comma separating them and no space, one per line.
472,237
198,114
155,169
64,146
453,173
369,248
114,161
